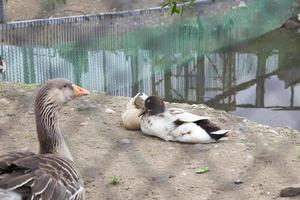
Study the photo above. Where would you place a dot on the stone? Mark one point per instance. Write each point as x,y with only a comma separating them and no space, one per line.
238,182
108,110
4,101
290,191
125,141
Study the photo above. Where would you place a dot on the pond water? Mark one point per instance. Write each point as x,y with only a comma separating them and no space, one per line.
257,79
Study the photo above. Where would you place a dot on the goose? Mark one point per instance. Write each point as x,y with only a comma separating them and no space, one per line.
130,117
9,195
51,173
175,124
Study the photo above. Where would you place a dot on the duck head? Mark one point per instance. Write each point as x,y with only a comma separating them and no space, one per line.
153,105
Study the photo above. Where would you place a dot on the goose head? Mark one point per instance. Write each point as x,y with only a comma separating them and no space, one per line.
153,105
59,92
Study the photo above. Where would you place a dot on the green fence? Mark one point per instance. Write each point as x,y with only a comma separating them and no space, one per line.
117,51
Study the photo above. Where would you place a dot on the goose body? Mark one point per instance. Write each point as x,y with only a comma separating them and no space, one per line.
175,124
51,173
9,195
130,117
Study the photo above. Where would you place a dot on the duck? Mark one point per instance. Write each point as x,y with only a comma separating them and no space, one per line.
51,173
2,65
130,117
175,124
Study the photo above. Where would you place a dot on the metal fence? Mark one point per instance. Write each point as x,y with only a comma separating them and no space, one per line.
141,50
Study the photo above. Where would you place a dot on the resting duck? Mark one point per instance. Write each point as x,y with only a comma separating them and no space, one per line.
130,117
175,124
2,67
51,174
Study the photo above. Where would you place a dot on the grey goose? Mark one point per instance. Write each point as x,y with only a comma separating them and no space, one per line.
51,173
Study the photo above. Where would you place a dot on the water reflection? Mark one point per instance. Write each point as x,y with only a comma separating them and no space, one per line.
257,80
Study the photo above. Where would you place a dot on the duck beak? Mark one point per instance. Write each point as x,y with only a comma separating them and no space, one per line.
78,91
143,111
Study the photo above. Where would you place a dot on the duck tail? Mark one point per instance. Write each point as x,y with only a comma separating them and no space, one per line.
216,135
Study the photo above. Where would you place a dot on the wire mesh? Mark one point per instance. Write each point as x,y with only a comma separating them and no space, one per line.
142,50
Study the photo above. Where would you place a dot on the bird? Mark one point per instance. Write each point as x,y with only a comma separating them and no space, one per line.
51,173
9,195
130,117
2,67
175,124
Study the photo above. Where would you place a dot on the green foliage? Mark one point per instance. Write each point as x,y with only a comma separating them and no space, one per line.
173,5
114,180
202,170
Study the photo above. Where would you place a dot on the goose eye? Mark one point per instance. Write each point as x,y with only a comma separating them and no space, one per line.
64,86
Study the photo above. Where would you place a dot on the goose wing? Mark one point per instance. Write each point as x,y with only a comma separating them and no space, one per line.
182,116
43,176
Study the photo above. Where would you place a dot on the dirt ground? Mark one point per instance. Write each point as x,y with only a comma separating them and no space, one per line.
37,9
254,162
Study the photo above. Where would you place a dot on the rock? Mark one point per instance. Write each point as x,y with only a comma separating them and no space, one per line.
4,101
83,124
238,181
292,24
290,191
108,110
125,141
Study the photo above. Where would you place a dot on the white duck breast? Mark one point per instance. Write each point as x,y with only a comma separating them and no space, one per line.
177,125
130,117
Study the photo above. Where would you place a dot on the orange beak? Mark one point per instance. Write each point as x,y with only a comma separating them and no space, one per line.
78,91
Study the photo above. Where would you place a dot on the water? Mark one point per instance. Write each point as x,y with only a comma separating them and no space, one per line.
257,79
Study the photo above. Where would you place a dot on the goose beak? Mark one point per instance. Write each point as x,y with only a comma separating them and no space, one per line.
78,91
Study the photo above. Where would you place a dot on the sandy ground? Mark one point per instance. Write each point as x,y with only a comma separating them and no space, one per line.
260,158
37,9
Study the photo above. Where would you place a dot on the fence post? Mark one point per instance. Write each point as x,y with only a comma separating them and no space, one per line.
2,11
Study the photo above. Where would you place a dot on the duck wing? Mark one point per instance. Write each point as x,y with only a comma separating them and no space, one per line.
40,176
185,117
182,117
